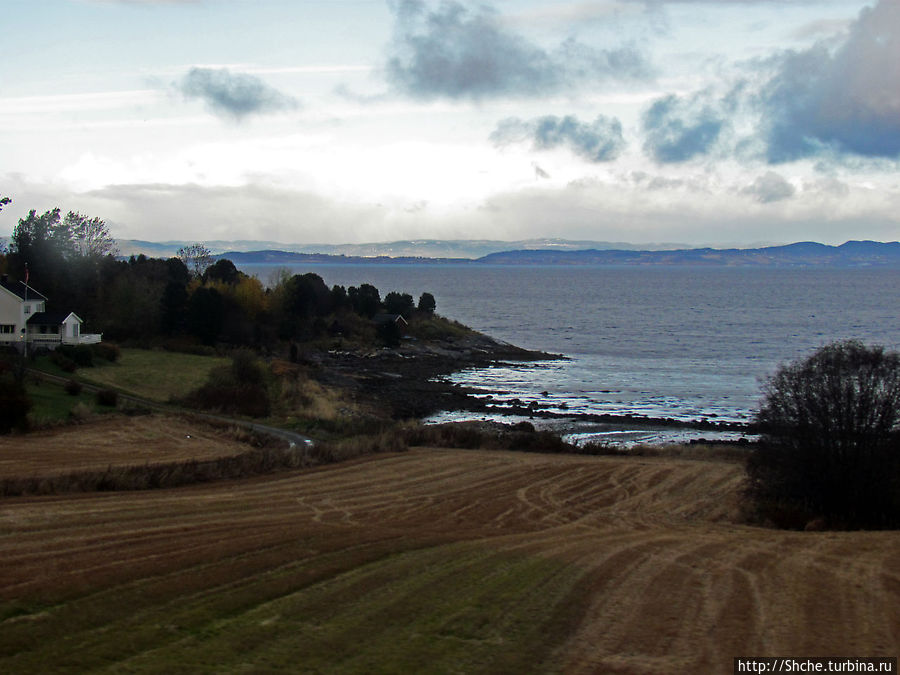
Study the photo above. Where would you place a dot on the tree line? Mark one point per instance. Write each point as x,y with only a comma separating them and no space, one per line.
189,298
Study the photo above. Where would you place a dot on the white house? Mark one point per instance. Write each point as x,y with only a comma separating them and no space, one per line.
24,320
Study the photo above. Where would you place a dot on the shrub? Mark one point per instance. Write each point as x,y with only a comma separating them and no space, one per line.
389,334
80,412
82,355
63,362
240,389
73,387
107,397
474,435
14,404
830,446
107,350
188,345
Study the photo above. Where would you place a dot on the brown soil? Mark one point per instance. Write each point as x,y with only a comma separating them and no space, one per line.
670,582
116,441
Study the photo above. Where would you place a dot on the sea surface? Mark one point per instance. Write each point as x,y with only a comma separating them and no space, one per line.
688,343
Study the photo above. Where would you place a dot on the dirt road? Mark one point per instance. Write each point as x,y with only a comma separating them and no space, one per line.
437,561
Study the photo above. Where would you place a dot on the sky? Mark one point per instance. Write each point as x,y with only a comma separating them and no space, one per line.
698,122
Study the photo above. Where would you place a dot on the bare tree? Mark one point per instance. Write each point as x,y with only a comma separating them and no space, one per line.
196,258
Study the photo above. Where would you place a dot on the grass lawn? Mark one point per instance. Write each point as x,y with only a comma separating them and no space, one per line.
156,375
51,403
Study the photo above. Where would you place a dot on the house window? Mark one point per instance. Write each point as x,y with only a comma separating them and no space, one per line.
28,309
7,328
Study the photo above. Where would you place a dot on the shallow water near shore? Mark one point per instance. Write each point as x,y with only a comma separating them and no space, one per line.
686,343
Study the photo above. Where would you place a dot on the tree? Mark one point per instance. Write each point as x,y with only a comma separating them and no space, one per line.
365,300
222,270
196,258
4,201
427,303
206,314
399,303
90,237
172,307
42,244
830,439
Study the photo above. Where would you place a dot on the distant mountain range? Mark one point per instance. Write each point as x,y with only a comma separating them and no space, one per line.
530,252
850,254
416,248
803,254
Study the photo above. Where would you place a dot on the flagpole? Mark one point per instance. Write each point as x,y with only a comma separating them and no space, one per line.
25,328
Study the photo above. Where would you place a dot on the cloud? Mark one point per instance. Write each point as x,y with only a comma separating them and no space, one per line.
455,53
770,187
821,27
841,101
680,129
161,212
233,95
645,210
146,2
576,13
599,141
828,187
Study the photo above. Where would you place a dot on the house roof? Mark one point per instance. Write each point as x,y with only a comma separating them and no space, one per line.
21,291
50,318
388,318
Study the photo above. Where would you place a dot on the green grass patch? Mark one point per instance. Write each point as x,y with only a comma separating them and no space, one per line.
438,328
51,403
460,608
45,365
155,375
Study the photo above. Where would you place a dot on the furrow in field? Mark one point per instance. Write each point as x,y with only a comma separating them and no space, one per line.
436,560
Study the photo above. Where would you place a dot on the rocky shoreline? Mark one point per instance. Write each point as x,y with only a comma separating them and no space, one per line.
408,381
411,382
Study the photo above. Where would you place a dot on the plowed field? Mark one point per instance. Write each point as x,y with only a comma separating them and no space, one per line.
117,441
436,561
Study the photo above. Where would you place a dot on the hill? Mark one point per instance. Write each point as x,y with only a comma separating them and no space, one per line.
533,252
850,254
801,254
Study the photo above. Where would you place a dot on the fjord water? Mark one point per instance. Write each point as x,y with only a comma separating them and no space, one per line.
679,342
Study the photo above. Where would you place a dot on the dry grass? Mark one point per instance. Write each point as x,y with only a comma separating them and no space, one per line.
303,403
116,442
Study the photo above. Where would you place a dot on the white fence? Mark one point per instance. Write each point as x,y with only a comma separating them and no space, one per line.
53,340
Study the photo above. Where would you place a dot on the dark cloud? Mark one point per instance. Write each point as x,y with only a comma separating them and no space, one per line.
680,129
770,187
599,141
453,52
840,101
233,95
